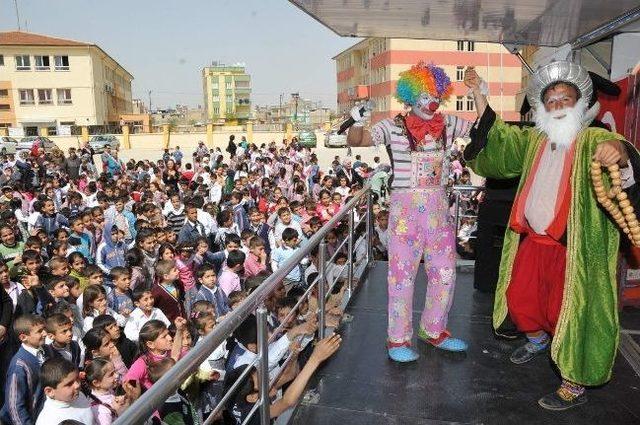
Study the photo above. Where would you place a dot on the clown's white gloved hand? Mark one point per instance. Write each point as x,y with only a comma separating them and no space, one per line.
359,112
356,113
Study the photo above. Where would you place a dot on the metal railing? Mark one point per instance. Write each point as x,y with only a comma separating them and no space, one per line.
151,400
457,190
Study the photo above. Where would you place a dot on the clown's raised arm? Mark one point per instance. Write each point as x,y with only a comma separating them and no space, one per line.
422,88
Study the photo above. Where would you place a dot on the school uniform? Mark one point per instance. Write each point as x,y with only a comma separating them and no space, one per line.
71,352
24,396
171,304
215,296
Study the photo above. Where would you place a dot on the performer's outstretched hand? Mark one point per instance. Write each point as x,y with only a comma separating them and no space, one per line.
611,152
475,83
471,78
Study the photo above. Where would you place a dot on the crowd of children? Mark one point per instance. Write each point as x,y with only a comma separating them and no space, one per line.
109,277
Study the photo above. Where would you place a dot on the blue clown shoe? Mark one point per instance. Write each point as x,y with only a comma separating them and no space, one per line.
402,354
444,342
453,344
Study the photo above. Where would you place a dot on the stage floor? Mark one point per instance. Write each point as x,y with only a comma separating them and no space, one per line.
360,385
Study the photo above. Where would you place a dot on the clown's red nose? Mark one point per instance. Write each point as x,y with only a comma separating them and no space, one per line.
433,106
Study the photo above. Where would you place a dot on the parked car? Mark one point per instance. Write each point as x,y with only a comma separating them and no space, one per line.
8,145
98,143
334,140
27,143
307,138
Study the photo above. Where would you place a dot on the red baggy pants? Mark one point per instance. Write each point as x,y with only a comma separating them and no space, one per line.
534,295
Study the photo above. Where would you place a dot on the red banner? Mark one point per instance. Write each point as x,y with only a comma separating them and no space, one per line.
621,115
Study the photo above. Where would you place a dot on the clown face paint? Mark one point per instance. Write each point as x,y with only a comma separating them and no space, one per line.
425,106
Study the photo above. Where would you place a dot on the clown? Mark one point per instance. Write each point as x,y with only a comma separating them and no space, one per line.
419,222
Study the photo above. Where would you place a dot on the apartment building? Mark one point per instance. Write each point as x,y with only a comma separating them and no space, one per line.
370,70
46,82
227,93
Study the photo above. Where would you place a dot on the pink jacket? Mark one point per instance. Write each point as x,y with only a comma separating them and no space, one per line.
186,274
139,370
253,267
229,281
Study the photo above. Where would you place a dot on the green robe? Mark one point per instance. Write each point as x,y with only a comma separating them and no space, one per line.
586,335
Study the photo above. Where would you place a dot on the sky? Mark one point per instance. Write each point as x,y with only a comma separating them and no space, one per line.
165,44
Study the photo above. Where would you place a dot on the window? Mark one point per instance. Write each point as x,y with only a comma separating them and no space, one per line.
62,63
42,63
216,110
4,92
470,103
215,98
44,97
26,97
229,99
229,109
23,63
459,103
4,107
1,60
64,96
459,73
215,86
229,85
469,46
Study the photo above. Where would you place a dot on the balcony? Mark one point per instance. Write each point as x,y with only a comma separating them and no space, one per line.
358,92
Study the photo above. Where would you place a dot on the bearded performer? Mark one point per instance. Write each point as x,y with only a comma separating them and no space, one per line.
419,221
557,275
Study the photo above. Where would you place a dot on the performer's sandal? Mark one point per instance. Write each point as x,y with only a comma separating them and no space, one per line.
444,342
561,400
527,352
402,353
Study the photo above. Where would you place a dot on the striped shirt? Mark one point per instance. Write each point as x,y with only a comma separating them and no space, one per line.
391,132
175,220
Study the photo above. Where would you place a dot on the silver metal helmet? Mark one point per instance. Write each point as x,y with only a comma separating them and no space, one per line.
559,71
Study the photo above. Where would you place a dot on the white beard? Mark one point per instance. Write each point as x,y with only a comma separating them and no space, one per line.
561,131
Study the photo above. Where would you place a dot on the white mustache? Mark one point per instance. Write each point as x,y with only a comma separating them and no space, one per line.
559,113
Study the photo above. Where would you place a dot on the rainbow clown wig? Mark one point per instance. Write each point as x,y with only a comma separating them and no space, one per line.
423,78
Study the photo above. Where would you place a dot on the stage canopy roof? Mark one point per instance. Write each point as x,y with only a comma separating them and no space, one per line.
520,22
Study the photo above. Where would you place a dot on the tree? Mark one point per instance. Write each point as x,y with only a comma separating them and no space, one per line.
173,123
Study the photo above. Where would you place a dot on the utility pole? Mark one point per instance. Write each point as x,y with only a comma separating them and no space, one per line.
295,96
15,2
149,101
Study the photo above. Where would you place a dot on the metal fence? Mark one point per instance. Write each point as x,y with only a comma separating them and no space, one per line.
461,208
360,232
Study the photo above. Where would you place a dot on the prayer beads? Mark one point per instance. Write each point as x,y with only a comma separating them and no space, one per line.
615,201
